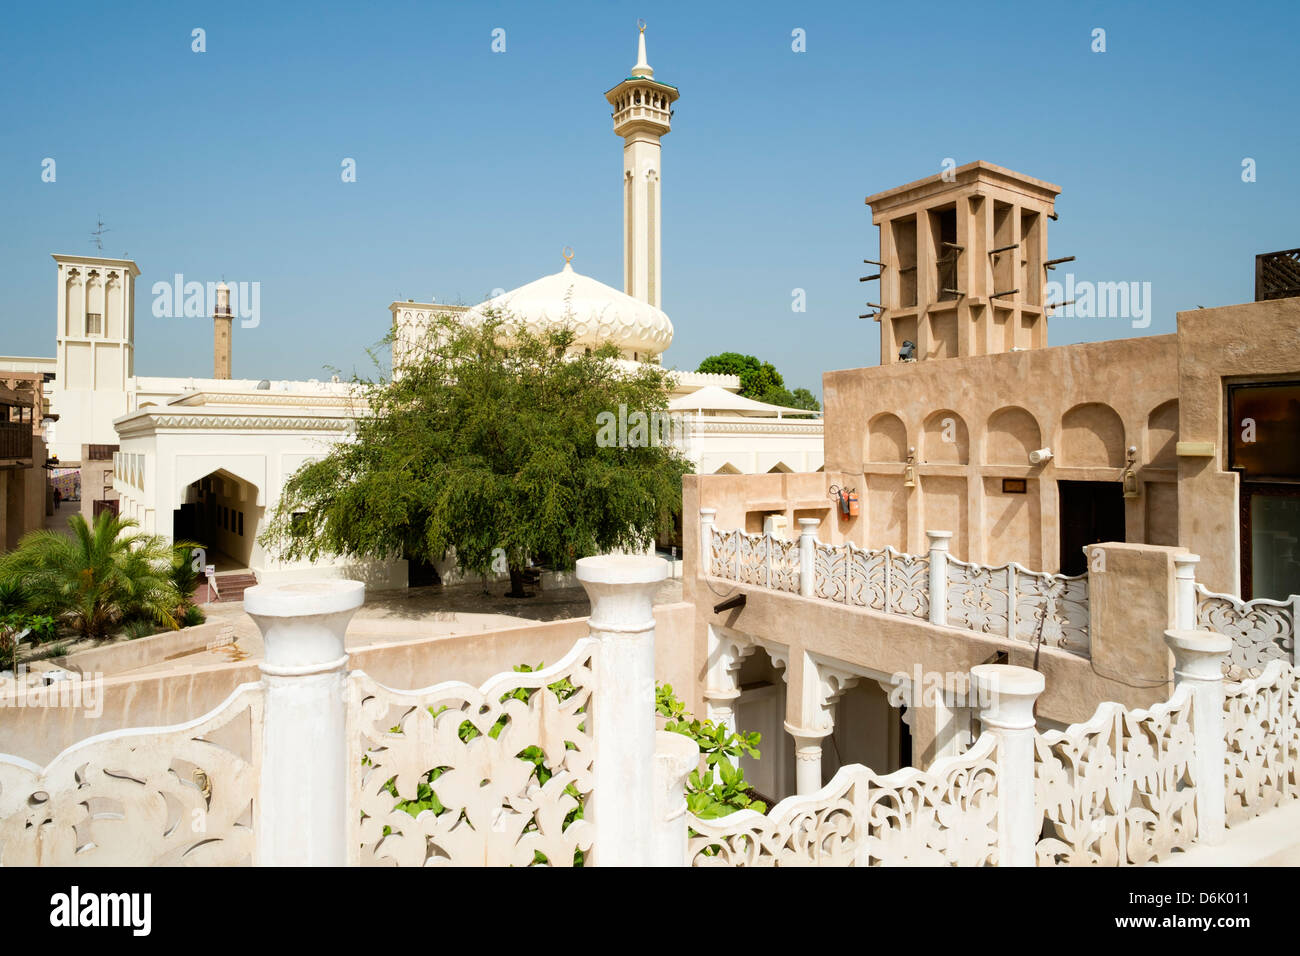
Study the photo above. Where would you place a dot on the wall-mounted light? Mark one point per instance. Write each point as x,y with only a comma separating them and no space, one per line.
909,472
1130,474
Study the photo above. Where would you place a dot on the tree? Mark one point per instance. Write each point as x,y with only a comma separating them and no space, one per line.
759,380
756,378
802,398
100,576
487,439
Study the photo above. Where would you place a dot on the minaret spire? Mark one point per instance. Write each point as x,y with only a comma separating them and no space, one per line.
642,68
643,112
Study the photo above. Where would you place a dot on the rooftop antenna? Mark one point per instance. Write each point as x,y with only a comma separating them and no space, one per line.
97,237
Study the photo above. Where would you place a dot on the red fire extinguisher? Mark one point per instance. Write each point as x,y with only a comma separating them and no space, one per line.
847,498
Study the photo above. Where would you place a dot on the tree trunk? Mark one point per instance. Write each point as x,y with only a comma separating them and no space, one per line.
517,583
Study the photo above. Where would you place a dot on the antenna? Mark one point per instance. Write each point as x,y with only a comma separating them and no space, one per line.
97,237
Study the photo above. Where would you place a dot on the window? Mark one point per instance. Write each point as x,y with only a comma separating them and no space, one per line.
94,323
241,524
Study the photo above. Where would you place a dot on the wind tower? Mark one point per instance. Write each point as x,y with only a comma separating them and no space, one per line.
963,263
642,114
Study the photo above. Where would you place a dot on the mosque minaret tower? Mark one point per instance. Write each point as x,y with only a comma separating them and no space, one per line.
642,114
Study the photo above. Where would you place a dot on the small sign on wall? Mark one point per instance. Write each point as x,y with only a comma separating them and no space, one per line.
1014,486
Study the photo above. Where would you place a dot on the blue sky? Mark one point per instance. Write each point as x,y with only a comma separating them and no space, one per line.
475,168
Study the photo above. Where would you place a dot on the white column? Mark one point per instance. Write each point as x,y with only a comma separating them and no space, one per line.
1006,696
808,555
302,804
676,755
721,687
1198,663
622,589
707,515
807,757
1185,591
939,541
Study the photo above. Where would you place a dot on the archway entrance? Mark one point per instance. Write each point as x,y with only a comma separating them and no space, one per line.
220,512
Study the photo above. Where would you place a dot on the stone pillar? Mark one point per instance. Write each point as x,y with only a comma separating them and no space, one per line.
808,556
622,589
1006,696
302,804
707,515
1185,591
807,757
720,685
676,755
1198,663
939,541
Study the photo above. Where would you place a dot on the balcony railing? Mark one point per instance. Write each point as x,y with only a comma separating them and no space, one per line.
1277,275
15,440
1008,600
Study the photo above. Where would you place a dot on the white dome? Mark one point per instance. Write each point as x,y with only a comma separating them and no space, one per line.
596,312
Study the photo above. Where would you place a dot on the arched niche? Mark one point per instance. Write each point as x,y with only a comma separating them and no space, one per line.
886,438
1162,435
1092,435
1012,434
945,440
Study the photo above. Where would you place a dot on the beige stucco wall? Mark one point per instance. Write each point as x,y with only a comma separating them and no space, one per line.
973,422
1255,341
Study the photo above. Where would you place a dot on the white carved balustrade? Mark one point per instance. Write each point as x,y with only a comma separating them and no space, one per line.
952,814
1128,787
155,796
1261,630
1009,600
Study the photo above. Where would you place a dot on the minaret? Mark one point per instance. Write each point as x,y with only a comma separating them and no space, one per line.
222,321
642,114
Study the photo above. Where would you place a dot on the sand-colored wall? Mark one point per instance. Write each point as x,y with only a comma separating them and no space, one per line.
973,421
1256,341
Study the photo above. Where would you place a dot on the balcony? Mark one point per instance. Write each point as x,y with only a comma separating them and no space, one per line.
15,441
1277,275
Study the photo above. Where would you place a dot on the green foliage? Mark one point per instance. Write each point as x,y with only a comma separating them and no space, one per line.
759,380
13,622
706,796
185,576
192,616
487,439
100,576
139,628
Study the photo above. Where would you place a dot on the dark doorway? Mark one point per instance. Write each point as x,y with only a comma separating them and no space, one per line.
1091,512
420,573
1263,424
1270,531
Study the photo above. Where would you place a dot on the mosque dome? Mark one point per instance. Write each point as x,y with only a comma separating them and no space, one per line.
596,312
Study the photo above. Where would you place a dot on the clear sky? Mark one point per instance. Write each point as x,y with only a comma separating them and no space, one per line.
475,168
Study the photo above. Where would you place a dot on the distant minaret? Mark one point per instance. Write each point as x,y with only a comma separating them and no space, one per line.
221,325
642,114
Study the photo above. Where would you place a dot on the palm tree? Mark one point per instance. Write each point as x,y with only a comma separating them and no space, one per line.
93,580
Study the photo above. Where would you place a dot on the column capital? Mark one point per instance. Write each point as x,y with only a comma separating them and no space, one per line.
805,736
622,588
304,623
1006,695
1198,655
939,540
